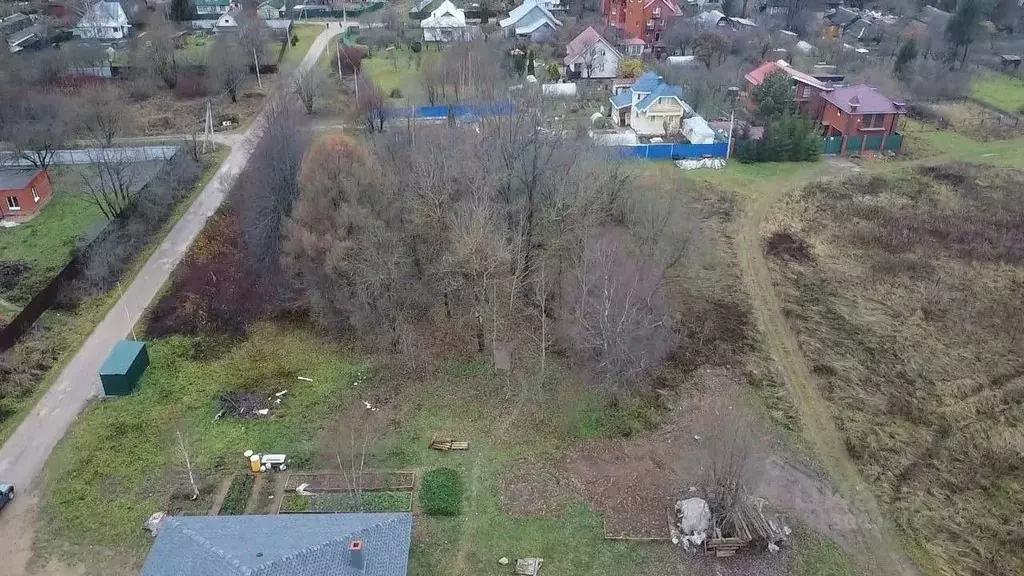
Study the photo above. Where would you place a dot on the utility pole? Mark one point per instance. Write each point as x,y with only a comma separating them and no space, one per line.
207,126
255,59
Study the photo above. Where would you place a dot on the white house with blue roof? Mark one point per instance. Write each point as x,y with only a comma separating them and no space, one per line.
282,545
532,20
650,106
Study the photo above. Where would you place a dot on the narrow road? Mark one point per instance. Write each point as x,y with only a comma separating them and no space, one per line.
25,453
880,549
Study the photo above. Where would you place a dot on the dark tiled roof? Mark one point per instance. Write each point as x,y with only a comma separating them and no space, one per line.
861,99
15,178
280,545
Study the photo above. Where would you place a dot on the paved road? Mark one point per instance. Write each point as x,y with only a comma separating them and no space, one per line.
23,455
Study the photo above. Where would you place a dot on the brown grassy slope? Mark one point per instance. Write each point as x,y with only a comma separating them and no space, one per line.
910,308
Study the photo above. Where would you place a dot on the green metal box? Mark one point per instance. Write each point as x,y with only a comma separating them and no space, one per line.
122,370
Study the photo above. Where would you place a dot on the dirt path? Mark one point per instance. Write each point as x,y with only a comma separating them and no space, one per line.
473,486
881,553
218,499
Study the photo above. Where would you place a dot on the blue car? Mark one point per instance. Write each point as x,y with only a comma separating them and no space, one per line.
6,494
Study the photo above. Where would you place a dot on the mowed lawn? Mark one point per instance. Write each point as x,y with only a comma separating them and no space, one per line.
999,90
306,34
46,241
400,69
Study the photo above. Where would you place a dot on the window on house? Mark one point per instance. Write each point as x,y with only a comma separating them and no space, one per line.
657,36
650,23
35,195
657,12
12,203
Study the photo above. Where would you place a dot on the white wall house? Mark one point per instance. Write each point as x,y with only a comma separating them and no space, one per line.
530,20
650,105
445,24
212,6
104,21
228,21
589,55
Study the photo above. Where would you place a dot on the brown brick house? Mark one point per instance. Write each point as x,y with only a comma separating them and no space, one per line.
23,192
860,110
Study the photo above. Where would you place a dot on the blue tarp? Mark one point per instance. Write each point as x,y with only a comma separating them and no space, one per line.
674,151
460,111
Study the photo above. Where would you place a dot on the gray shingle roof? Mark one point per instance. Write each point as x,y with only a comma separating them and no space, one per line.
282,545
15,178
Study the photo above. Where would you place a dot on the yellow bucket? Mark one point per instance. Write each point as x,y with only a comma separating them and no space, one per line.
254,462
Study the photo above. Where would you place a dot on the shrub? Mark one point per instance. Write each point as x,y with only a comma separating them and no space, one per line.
441,492
295,39
789,139
416,46
395,93
632,68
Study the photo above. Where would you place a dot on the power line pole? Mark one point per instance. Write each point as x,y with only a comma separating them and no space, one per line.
255,59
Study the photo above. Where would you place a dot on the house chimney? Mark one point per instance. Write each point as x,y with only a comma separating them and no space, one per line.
357,555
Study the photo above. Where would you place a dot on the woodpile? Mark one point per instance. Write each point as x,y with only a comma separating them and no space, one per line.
750,525
446,444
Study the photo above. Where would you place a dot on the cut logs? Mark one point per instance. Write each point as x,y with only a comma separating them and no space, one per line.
446,444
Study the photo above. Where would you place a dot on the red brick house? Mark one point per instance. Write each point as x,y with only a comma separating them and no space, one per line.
860,110
23,192
807,90
642,19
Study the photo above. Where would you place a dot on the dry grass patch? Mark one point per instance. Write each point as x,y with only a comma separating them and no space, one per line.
911,314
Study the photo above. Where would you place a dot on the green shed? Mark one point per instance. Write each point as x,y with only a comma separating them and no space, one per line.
122,370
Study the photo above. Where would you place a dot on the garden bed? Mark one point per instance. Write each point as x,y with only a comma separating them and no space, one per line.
370,502
334,482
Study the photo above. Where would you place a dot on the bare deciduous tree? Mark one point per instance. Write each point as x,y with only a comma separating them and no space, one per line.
616,317
268,187
38,126
186,460
729,470
309,86
371,105
102,113
229,66
110,181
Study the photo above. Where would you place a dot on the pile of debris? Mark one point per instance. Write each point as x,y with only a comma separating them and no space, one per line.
249,405
746,525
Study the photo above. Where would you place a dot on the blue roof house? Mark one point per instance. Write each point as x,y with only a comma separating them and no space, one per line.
651,107
531,20
282,545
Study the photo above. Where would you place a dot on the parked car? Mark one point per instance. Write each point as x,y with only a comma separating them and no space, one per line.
6,494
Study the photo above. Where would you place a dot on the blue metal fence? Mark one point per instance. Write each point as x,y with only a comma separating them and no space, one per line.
460,111
674,151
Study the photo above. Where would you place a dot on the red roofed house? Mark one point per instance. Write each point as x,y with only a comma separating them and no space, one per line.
857,111
643,19
23,192
807,88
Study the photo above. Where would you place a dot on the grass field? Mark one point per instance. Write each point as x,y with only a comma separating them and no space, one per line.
999,90
46,241
399,69
118,463
306,33
904,289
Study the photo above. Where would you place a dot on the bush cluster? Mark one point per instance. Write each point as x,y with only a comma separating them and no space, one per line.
788,139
